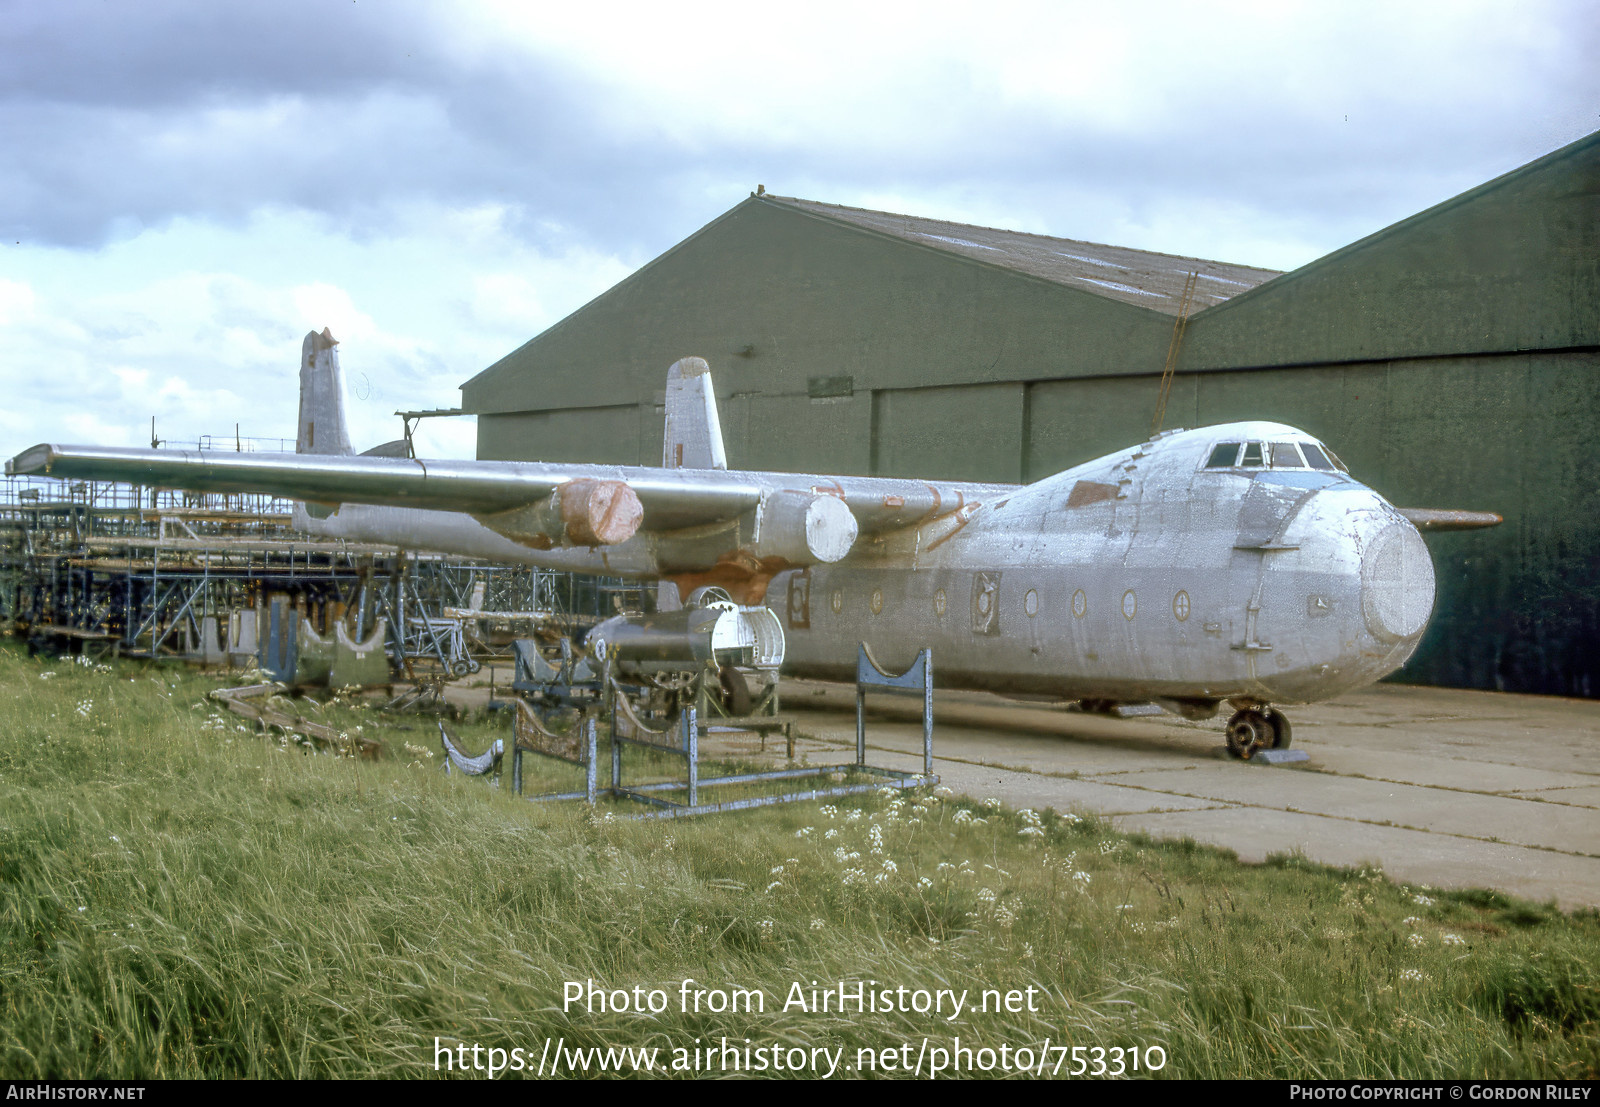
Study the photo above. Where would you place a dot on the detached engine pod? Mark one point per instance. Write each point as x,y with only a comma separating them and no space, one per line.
690,639
804,528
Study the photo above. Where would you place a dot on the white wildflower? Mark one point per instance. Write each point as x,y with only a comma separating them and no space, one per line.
47,675
1082,878
774,884
818,924
986,895
1452,940
889,866
881,878
853,815
805,832
832,833
1412,976
1031,832
776,870
1410,920
1416,941
924,882
1421,900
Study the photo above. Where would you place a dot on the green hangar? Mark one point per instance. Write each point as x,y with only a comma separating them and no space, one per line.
1452,359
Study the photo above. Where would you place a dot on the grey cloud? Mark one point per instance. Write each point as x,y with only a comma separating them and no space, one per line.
131,115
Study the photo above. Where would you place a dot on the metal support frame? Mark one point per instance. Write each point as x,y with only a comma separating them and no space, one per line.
684,741
918,678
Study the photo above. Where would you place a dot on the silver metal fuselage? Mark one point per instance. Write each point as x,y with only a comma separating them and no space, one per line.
1188,584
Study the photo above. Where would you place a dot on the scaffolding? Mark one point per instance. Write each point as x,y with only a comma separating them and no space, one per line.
106,568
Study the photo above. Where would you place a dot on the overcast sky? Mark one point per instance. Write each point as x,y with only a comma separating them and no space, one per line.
187,188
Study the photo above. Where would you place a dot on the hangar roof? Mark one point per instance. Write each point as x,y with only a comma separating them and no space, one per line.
1138,277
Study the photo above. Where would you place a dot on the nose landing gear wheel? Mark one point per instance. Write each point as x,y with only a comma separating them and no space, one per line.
1249,731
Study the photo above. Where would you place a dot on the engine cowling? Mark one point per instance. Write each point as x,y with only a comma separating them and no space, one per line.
689,639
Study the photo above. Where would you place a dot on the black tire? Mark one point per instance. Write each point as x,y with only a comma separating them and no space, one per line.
1282,732
1249,731
735,691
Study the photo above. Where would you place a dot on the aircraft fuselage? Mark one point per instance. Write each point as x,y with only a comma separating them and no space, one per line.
1140,575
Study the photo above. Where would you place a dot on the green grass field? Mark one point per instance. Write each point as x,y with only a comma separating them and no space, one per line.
179,897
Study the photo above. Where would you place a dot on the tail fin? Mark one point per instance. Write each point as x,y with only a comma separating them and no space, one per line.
322,425
693,438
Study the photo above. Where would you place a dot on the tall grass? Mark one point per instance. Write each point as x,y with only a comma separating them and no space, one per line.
182,898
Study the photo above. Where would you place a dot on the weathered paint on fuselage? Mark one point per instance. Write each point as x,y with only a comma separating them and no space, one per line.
1184,583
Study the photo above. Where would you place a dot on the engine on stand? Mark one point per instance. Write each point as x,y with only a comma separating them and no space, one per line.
714,655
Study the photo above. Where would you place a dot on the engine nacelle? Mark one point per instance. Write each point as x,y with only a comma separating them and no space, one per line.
690,639
582,512
803,528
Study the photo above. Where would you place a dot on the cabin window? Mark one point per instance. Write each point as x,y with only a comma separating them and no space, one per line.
1224,456
1286,456
1252,455
1315,457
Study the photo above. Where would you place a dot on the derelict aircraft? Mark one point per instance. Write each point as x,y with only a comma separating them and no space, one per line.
1237,564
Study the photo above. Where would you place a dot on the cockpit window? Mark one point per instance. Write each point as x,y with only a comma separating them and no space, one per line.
1333,457
1285,456
1252,456
1224,456
1315,457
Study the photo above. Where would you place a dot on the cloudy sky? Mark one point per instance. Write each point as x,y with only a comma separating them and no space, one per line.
187,188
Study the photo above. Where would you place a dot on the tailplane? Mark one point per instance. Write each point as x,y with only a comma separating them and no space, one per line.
322,424
693,438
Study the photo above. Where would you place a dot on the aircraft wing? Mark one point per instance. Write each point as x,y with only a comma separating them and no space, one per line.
670,499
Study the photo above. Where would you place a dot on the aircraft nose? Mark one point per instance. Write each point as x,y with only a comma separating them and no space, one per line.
1396,582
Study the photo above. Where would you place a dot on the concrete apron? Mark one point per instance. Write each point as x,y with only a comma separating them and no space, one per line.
1438,786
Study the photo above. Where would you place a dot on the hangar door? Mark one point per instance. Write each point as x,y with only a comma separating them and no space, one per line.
968,432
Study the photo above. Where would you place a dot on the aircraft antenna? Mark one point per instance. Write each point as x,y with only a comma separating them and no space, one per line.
1179,325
